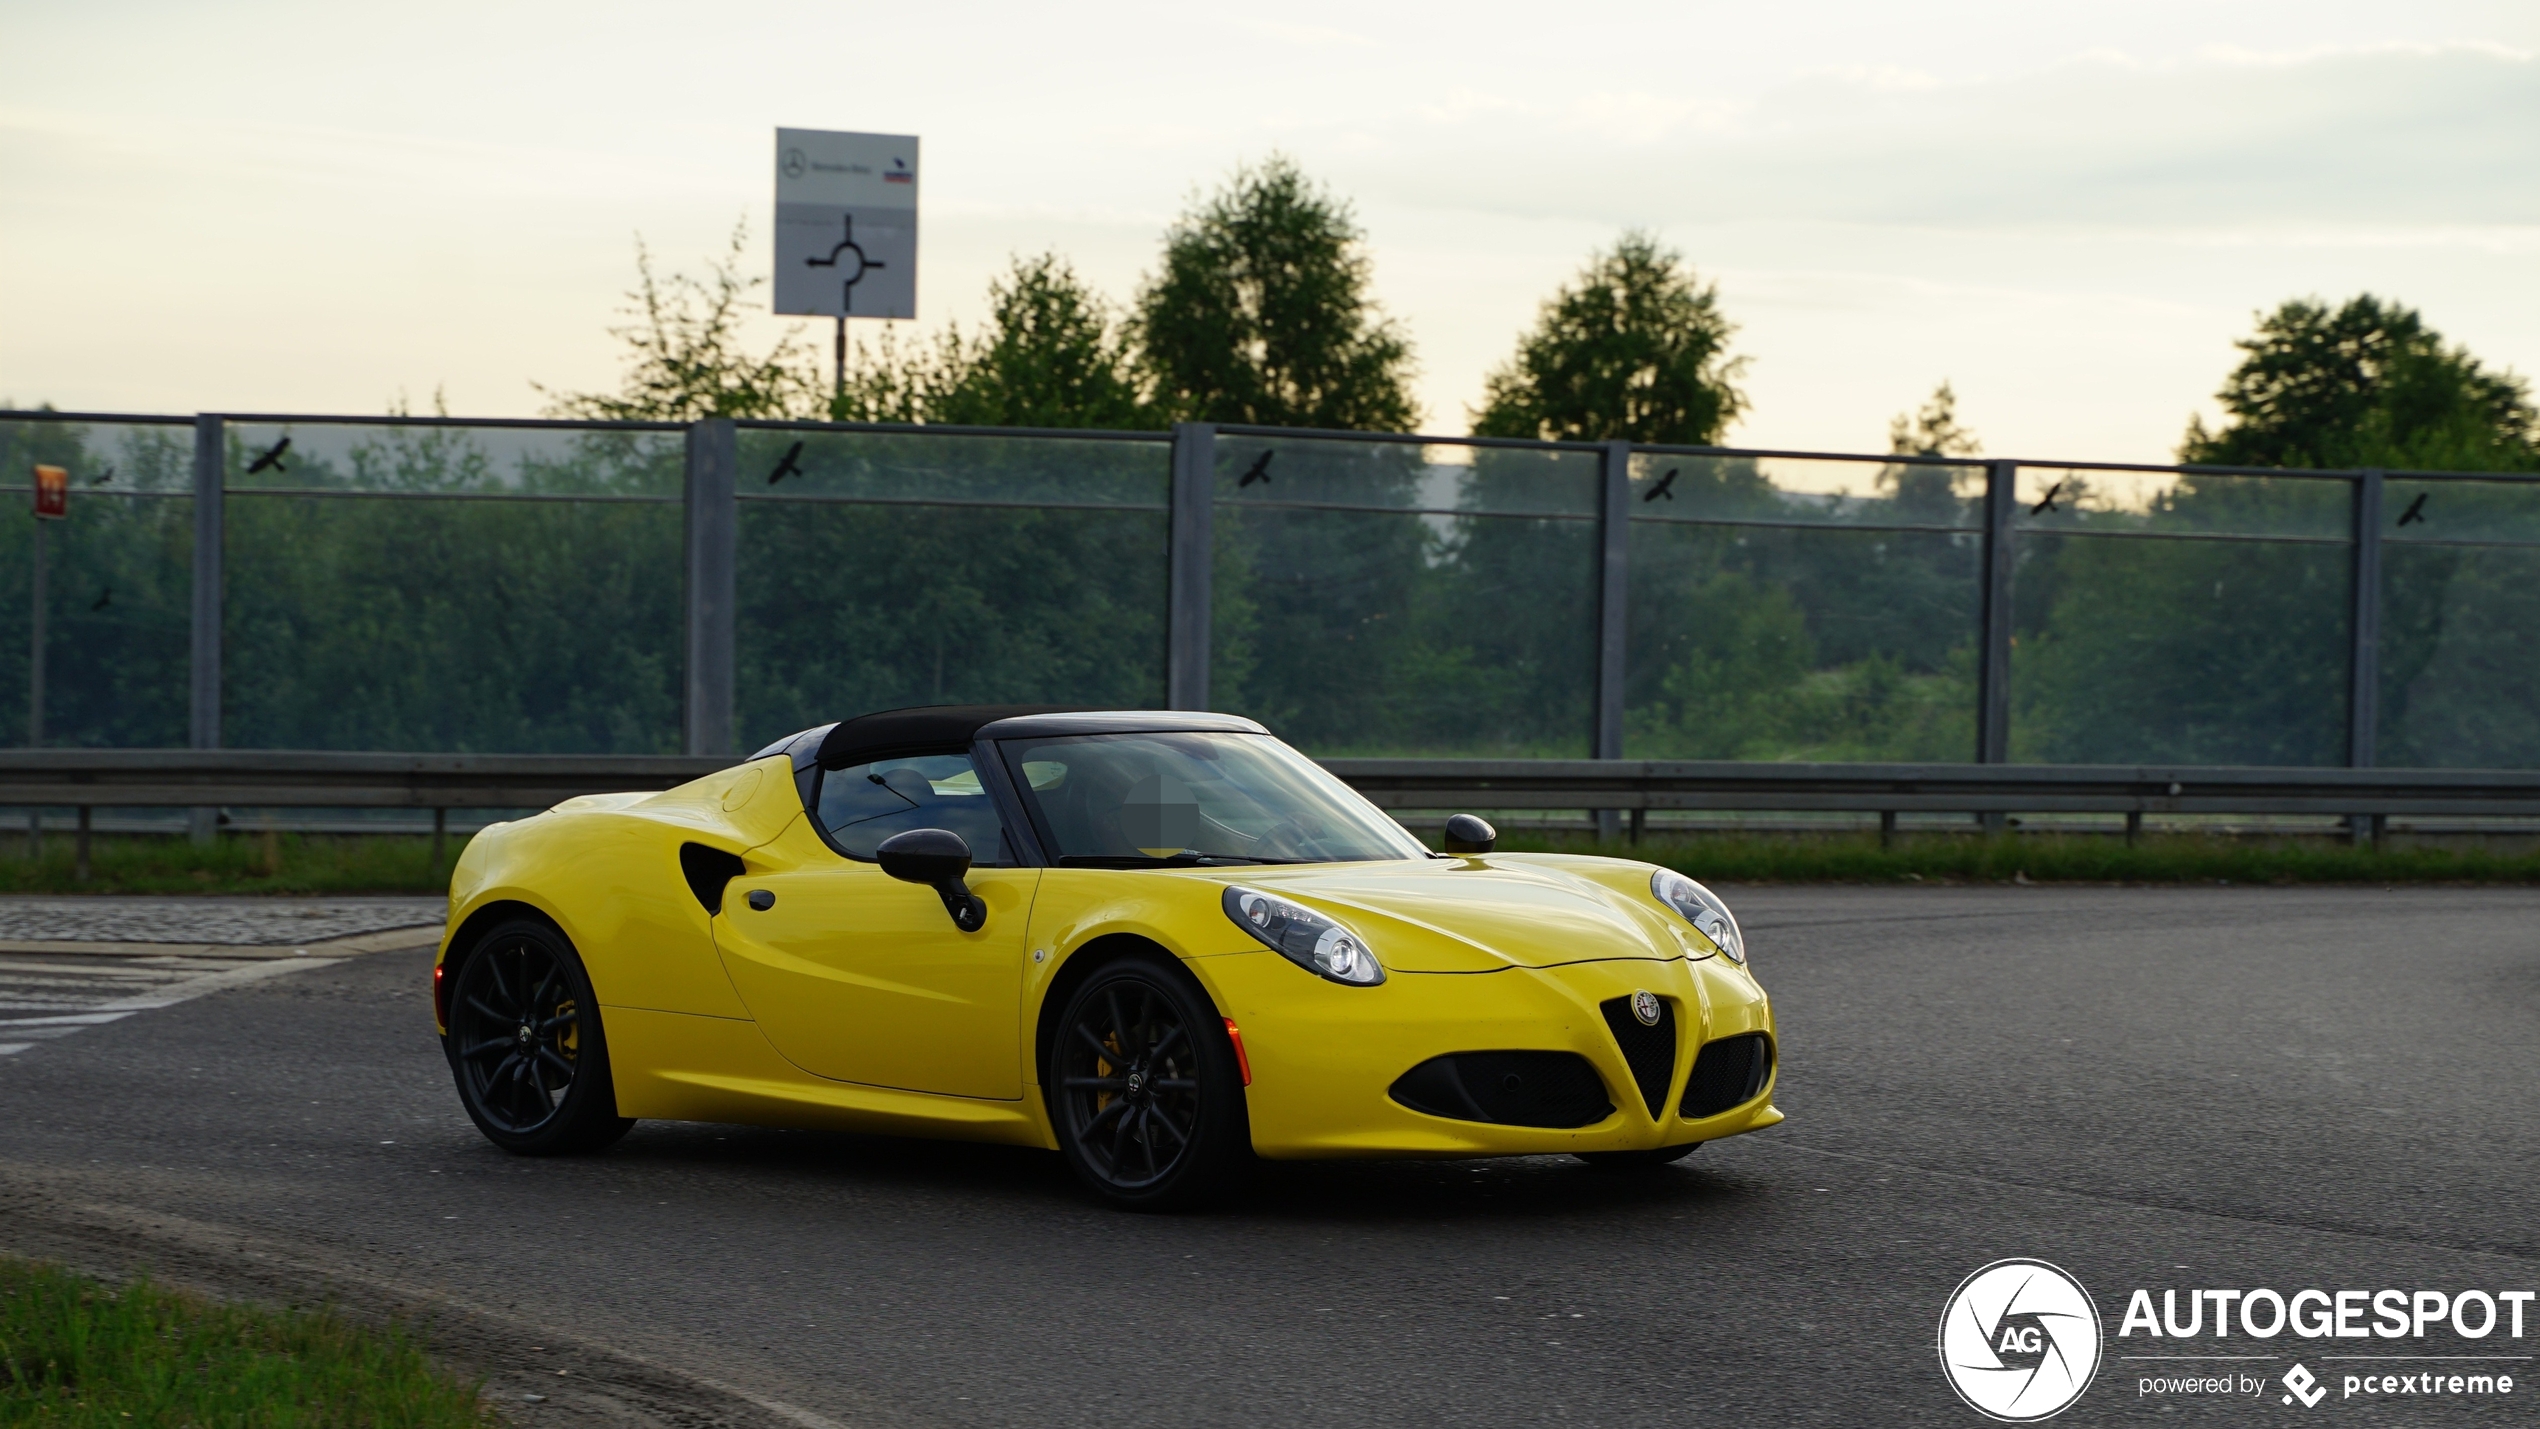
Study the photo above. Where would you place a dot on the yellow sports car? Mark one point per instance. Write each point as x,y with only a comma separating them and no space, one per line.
1161,943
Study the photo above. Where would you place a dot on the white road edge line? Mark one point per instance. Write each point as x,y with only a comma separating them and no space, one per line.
73,1019
193,988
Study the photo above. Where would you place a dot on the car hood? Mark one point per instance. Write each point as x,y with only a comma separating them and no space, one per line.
1486,912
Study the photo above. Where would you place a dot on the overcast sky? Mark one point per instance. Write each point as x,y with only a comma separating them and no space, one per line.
2067,210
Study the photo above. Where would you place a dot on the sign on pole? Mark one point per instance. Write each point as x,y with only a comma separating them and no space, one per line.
846,224
52,492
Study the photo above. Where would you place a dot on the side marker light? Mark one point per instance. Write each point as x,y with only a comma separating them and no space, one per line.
1243,1063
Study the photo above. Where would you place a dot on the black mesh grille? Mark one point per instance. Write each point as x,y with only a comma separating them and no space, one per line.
1650,1051
1559,1089
1729,1073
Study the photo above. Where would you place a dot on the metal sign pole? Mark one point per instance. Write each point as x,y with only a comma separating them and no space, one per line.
839,392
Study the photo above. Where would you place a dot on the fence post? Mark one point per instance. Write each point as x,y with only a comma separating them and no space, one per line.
714,458
1190,567
37,599
1613,613
1993,648
2363,695
211,556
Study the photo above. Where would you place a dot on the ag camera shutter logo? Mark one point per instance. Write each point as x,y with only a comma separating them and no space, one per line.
2020,1340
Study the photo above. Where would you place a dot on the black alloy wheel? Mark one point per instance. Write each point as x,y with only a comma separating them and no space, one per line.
1144,1090
1638,1160
526,1047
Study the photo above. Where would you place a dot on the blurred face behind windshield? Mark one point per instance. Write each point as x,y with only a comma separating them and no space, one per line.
1234,796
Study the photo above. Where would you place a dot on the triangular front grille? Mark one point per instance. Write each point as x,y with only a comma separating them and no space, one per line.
1649,1051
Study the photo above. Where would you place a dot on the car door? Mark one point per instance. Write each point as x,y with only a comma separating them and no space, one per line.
857,976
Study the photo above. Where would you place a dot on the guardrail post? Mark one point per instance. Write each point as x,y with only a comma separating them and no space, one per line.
211,555
1993,644
714,458
1190,567
1613,615
2363,695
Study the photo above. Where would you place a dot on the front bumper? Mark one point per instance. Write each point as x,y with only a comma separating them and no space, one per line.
1324,1057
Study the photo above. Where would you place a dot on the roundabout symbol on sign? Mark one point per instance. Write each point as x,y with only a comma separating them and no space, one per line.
2019,1341
850,261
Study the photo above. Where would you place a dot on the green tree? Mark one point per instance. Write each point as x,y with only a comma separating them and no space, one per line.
1933,431
1261,314
1924,492
2364,384
1052,356
685,355
1635,349
888,381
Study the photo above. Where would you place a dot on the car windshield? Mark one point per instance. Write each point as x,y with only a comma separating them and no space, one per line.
1128,800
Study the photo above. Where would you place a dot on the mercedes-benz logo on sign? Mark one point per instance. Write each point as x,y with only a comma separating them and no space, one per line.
795,163
2019,1341
1645,1007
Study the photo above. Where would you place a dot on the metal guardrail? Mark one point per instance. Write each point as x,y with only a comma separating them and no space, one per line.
188,778
84,778
1937,788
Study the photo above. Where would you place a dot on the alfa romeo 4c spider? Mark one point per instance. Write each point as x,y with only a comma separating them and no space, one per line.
1159,943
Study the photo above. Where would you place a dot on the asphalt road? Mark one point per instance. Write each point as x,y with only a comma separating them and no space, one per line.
2150,1087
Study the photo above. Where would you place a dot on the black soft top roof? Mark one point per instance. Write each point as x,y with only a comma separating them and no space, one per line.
886,732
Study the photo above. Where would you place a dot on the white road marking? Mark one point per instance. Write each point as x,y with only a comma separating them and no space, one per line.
57,992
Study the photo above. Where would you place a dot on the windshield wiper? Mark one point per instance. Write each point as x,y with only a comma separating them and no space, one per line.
1185,859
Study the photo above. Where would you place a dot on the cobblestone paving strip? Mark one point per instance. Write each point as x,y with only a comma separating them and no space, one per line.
239,922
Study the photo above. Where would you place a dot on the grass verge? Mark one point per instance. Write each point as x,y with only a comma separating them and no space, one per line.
233,863
2045,858
75,1353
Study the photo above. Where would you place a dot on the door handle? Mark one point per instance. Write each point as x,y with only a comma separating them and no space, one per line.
761,899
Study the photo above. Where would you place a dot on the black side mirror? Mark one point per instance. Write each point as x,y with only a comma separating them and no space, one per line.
937,858
1467,834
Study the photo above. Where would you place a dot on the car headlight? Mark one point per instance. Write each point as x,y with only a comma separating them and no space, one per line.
1702,908
1307,938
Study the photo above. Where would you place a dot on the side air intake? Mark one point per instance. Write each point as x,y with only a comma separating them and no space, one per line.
708,869
1550,1089
1728,1074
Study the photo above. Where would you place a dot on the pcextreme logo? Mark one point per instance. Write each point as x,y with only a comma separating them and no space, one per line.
2019,1341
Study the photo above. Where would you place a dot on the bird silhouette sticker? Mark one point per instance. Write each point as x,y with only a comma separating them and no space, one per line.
2047,503
272,458
1666,487
1258,471
2415,514
789,466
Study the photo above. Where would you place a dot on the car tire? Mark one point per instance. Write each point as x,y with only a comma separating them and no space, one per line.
1144,1090
526,1047
1655,1157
